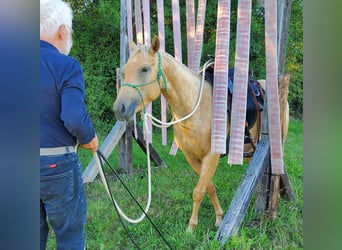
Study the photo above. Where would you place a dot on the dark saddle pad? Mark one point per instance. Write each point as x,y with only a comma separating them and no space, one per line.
255,94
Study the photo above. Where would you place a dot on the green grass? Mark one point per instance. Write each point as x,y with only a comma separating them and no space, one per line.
172,204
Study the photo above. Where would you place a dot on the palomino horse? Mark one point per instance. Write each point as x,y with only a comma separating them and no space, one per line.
149,73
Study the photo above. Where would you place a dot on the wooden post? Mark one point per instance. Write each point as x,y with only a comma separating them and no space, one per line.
270,185
284,81
262,192
279,182
125,143
284,14
154,156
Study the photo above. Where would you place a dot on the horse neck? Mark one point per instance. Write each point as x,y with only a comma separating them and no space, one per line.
183,86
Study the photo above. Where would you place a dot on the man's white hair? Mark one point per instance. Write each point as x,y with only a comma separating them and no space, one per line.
54,13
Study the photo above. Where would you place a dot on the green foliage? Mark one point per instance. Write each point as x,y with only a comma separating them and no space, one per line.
97,45
294,58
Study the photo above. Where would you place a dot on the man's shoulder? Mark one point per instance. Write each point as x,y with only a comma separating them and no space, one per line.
50,52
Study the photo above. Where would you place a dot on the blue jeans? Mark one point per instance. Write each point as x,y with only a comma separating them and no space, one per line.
62,201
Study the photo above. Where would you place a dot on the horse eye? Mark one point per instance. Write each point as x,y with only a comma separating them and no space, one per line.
145,69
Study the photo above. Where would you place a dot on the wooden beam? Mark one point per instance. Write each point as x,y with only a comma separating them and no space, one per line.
272,211
106,148
244,193
125,151
154,156
125,143
285,189
284,14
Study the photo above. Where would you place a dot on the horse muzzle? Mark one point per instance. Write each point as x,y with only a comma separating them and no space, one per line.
124,111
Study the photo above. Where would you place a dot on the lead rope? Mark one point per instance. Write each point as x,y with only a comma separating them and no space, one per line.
103,177
99,156
158,123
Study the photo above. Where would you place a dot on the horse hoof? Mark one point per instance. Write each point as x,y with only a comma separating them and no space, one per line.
218,222
190,229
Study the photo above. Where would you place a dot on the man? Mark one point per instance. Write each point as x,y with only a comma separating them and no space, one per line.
64,124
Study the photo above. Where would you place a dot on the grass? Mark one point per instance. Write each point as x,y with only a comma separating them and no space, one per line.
172,205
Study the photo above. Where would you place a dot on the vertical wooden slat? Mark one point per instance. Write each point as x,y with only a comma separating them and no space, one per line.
199,34
129,20
219,120
138,22
284,13
177,40
238,114
161,35
125,142
130,38
272,86
190,27
146,21
147,40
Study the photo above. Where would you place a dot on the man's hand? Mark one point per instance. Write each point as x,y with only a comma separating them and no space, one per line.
92,145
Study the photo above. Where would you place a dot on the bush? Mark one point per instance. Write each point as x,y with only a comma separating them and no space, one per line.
97,47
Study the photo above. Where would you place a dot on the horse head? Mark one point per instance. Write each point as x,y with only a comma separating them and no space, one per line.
142,80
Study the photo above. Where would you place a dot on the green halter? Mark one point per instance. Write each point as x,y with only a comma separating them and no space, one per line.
160,74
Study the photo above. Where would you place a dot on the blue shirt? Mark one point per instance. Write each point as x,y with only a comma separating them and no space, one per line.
63,116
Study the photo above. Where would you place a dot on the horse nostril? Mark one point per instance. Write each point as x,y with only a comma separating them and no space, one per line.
122,110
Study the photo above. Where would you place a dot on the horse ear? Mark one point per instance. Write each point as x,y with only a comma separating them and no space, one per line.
154,45
132,46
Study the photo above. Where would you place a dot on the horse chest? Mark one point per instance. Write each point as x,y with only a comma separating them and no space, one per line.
191,140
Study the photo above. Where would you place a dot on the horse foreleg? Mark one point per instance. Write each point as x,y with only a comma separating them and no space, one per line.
216,203
204,183
197,197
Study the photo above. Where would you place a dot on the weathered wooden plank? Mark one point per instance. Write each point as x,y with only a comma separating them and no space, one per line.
161,35
177,41
199,34
272,87
190,31
239,101
272,211
262,191
284,14
138,22
244,193
125,150
106,148
154,156
220,90
147,40
125,143
285,190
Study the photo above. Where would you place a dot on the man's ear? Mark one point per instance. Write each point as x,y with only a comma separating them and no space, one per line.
62,32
